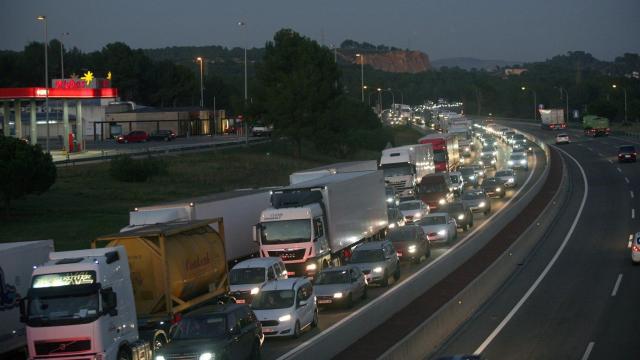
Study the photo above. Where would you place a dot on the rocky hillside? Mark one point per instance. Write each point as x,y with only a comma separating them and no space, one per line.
396,61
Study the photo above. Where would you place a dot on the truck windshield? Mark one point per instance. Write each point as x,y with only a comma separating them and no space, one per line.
80,304
439,156
273,299
246,276
199,327
397,169
286,231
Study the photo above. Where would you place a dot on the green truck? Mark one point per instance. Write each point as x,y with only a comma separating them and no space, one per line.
595,125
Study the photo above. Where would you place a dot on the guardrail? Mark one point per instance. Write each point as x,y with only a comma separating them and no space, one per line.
338,337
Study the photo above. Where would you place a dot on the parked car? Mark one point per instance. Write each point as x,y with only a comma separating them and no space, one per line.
410,243
627,153
413,210
163,135
439,227
477,200
286,307
462,213
457,180
378,261
249,276
518,161
133,136
635,248
395,218
340,286
562,138
507,177
493,187
260,129
229,331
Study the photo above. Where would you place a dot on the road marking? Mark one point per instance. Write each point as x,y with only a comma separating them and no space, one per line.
546,270
633,213
626,179
631,193
590,149
617,285
600,154
630,241
619,170
588,351
610,162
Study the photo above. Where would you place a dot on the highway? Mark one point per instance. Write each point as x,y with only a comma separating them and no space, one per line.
576,295
276,347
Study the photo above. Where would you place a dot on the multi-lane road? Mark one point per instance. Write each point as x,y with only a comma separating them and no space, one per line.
274,348
577,295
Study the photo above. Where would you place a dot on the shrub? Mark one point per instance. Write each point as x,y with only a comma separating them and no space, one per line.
125,168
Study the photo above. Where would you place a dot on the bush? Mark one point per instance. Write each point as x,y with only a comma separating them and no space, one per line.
125,168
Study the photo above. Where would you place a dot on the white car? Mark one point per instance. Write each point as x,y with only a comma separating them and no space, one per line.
439,227
635,249
562,139
413,210
508,177
249,276
518,161
286,307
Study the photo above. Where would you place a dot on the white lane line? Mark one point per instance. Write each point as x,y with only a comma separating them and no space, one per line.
546,270
619,170
588,351
626,179
617,285
630,241
633,213
631,193
600,154
610,162
590,149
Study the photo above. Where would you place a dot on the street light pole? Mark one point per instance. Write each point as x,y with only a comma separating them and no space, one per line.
244,119
624,91
200,60
62,54
535,103
361,56
566,97
46,76
379,101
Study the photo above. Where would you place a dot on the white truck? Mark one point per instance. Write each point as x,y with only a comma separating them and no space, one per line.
331,169
17,260
404,167
80,305
552,119
315,223
240,210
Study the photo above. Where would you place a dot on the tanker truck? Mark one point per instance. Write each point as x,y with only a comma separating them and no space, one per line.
315,223
99,303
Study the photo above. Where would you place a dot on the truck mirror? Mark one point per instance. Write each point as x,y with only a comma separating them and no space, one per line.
109,302
254,232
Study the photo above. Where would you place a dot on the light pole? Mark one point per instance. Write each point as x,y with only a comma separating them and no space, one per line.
200,60
361,56
62,54
46,75
624,91
393,96
535,103
379,101
244,119
566,97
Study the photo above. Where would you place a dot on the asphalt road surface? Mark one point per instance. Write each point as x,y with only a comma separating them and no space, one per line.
583,304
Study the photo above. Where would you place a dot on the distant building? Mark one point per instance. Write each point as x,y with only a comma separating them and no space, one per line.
514,71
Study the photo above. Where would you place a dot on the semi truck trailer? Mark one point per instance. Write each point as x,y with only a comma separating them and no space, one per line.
552,119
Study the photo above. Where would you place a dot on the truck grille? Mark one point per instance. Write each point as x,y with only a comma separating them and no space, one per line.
61,347
270,323
288,255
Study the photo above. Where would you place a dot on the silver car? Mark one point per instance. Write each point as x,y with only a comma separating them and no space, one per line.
518,161
477,200
413,210
340,286
378,261
439,227
507,177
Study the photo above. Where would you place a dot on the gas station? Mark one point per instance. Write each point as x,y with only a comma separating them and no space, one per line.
68,93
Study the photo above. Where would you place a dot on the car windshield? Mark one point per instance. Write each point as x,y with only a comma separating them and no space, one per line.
488,149
273,299
73,306
333,277
200,327
504,173
402,234
367,256
409,205
627,149
285,231
246,276
516,157
396,169
472,195
433,220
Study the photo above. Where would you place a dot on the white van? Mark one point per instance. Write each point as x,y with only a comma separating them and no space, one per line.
249,276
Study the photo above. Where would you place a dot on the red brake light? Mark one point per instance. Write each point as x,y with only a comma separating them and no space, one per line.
635,248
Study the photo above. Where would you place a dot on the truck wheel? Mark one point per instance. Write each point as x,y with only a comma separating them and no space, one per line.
158,342
124,354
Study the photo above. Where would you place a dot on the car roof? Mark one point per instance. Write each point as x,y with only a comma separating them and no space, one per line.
215,309
372,245
436,214
340,268
410,201
257,262
285,284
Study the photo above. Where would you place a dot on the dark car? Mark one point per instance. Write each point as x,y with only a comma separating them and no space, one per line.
229,331
488,161
477,200
410,242
469,175
462,213
133,136
395,217
493,187
163,135
627,153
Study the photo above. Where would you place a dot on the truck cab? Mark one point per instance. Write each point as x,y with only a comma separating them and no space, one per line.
81,303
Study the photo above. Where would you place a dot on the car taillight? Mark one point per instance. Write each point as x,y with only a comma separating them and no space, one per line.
635,248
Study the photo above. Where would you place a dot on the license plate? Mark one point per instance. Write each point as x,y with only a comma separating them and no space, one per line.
240,301
290,273
627,156
324,301
267,330
399,253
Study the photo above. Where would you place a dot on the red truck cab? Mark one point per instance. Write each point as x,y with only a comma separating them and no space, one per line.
445,150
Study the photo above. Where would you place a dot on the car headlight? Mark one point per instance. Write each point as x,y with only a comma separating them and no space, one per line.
481,172
495,153
523,161
206,356
311,267
412,248
510,162
284,318
481,162
255,290
337,295
482,204
392,225
377,270
159,357
472,177
389,200
417,216
442,232
493,161
530,148
510,180
498,189
461,217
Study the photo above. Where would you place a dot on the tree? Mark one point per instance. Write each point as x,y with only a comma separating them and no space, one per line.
299,80
24,169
